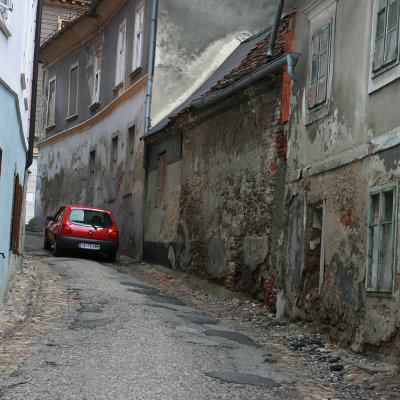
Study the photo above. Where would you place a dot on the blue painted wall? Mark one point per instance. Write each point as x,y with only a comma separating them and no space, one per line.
13,159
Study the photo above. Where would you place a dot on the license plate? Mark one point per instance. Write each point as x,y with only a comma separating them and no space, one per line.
89,246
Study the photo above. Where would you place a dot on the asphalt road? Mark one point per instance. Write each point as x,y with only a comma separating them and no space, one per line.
124,339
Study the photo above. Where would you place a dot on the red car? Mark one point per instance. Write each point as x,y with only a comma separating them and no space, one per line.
81,228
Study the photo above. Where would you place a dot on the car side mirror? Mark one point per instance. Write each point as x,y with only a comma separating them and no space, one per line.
50,218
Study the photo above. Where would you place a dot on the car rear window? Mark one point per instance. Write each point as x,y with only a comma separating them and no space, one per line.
90,217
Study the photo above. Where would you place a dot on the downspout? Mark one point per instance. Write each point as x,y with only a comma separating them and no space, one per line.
278,14
150,64
32,118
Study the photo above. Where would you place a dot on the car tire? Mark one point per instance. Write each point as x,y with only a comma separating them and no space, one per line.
112,256
46,243
56,250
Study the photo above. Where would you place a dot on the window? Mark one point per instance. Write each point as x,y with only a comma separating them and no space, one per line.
63,22
138,41
386,34
119,74
130,161
96,81
320,53
382,238
51,104
73,92
161,180
113,168
16,215
91,181
5,7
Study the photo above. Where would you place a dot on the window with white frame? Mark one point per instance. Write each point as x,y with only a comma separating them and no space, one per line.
73,90
320,53
97,77
386,48
382,239
120,65
138,40
5,7
51,103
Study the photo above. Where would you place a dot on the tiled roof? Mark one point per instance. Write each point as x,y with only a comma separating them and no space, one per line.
256,58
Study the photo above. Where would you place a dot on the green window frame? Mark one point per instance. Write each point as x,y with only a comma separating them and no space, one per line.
386,40
320,59
382,228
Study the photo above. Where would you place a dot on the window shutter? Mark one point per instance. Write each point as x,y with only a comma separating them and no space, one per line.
162,180
16,214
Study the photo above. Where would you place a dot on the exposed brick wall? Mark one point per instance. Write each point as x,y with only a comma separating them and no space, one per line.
287,83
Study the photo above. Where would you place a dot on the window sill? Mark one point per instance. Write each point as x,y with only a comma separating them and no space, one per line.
50,127
71,117
117,87
135,72
313,115
94,106
4,29
372,293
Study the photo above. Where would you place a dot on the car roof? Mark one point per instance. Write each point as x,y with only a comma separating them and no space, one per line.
75,206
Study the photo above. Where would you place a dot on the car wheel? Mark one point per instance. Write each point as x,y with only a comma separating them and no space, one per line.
56,249
112,256
46,243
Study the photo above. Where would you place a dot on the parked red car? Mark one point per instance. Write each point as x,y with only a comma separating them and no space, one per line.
81,228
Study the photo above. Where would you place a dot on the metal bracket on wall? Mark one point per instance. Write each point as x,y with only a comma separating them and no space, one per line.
2,254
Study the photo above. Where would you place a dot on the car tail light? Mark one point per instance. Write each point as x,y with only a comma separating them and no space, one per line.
114,235
65,228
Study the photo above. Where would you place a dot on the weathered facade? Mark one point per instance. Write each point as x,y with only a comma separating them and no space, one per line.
216,173
55,15
342,257
95,98
17,31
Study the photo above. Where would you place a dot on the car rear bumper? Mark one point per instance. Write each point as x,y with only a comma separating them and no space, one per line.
72,243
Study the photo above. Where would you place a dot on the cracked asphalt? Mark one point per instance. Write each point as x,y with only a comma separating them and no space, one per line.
92,330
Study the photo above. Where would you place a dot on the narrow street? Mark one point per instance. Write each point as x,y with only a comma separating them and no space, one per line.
91,330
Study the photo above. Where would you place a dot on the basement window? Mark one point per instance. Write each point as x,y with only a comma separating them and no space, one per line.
382,239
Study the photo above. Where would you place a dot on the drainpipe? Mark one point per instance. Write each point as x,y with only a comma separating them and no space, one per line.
271,47
32,118
150,64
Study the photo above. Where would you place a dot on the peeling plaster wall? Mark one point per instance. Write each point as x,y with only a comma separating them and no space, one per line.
194,37
63,173
336,155
231,178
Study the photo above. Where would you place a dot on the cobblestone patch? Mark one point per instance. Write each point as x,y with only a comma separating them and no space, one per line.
36,303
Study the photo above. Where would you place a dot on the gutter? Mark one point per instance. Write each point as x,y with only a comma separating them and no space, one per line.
150,65
278,14
32,117
290,59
